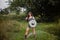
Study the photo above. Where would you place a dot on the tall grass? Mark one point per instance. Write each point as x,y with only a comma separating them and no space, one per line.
13,28
7,25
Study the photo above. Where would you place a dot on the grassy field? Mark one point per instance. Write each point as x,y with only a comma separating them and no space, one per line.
13,28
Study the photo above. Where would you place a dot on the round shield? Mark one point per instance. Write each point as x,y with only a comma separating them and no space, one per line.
32,23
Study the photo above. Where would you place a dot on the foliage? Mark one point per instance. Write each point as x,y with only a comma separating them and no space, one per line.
49,8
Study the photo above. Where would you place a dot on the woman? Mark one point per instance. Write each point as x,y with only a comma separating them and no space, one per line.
29,18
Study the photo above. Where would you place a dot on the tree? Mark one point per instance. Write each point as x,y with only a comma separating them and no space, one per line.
50,8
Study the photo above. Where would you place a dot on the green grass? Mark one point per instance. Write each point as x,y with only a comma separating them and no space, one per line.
41,35
15,29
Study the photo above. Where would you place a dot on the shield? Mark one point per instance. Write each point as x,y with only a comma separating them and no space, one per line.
32,23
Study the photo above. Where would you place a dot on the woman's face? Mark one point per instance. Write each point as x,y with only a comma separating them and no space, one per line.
30,13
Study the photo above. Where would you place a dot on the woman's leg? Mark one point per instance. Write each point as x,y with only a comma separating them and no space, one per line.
27,31
34,32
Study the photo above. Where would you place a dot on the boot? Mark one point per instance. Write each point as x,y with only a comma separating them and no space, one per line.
25,38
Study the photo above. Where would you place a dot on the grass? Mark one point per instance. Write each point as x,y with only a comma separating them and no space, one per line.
13,29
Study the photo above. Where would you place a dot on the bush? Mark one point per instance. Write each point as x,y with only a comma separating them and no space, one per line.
7,25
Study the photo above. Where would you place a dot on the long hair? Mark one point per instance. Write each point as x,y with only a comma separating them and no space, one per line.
29,15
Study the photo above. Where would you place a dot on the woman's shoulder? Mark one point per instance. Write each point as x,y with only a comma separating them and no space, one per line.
33,17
